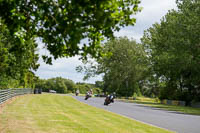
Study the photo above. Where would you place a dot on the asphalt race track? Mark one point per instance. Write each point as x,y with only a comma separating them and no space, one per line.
171,120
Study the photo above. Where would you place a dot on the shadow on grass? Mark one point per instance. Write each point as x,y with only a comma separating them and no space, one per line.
168,108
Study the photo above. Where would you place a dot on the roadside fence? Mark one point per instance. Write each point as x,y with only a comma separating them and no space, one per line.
173,102
9,93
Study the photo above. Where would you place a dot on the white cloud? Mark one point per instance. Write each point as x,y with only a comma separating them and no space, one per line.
63,68
153,11
128,32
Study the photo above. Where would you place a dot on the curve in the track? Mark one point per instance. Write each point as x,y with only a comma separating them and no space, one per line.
171,120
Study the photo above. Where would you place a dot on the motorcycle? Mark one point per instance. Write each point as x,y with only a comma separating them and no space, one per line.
88,95
109,99
77,94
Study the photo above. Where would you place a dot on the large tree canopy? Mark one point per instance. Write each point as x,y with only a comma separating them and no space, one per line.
62,24
174,49
123,67
17,60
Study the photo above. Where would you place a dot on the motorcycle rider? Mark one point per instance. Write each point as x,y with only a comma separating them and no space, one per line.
91,91
88,94
110,98
77,92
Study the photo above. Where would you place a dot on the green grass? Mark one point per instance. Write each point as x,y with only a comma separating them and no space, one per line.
156,103
51,113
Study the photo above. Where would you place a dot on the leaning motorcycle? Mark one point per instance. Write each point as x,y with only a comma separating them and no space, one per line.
88,95
109,99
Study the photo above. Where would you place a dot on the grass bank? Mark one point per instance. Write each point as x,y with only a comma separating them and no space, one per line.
156,103
51,113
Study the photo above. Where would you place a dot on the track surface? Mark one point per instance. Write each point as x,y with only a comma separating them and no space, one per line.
174,121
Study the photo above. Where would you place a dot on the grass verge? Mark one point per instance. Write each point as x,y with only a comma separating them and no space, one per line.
51,113
155,103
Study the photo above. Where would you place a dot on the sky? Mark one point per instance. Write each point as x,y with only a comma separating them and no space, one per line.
152,12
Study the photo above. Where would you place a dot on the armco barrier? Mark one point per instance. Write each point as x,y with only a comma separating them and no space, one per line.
9,93
165,101
173,102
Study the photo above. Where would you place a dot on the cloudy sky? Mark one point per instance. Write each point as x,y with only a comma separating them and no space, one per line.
153,11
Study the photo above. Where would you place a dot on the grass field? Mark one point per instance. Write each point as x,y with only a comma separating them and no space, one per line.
50,113
155,103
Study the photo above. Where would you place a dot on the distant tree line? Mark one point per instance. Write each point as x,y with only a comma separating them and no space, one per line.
62,85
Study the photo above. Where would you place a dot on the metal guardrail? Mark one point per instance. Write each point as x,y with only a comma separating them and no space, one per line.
173,102
9,93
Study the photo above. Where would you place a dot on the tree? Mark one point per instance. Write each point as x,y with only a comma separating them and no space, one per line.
123,67
17,60
173,48
41,84
63,24
99,84
59,84
70,85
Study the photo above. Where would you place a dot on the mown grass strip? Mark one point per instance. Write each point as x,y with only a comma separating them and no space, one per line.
50,113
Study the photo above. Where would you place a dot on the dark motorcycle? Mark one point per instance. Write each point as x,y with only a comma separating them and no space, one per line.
88,95
109,99
77,94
